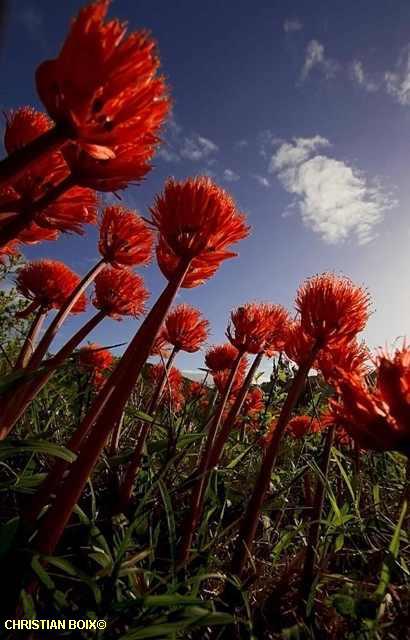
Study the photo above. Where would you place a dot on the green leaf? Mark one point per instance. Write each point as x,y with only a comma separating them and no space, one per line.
11,448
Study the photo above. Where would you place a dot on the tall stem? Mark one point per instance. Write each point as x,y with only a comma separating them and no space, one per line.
316,514
250,518
18,161
226,429
199,488
31,338
104,413
25,396
63,313
133,465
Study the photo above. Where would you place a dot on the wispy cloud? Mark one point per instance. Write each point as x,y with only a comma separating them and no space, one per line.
179,145
334,199
292,25
197,147
230,176
241,144
361,77
266,141
315,58
398,81
261,180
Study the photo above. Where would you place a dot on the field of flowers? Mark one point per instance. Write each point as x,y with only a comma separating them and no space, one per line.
226,508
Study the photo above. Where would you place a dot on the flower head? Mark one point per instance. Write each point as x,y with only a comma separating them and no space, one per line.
125,239
298,345
332,308
197,391
197,219
378,417
221,377
258,328
23,126
130,164
160,347
253,402
300,426
220,357
200,270
96,360
70,212
185,328
349,356
120,292
104,86
48,283
173,385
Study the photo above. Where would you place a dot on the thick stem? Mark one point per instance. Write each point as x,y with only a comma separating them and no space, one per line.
250,518
104,413
199,489
224,433
63,313
25,396
316,514
127,483
31,339
18,161
10,230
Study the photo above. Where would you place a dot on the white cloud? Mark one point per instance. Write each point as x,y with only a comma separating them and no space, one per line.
398,82
230,176
168,154
266,141
315,57
197,148
291,154
292,25
261,180
361,77
334,199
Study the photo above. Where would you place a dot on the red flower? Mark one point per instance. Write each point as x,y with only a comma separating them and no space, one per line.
298,345
220,356
332,308
34,234
173,385
72,209
196,219
221,376
197,391
265,440
130,165
125,239
185,328
200,270
48,283
93,356
103,87
160,347
120,292
378,418
96,360
253,402
300,426
23,126
349,356
258,327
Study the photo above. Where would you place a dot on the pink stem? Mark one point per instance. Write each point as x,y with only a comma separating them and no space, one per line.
198,491
31,338
128,480
251,516
104,413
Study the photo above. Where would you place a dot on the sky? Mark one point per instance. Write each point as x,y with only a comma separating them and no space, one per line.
301,110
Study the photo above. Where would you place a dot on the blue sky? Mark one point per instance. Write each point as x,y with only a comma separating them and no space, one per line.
301,110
